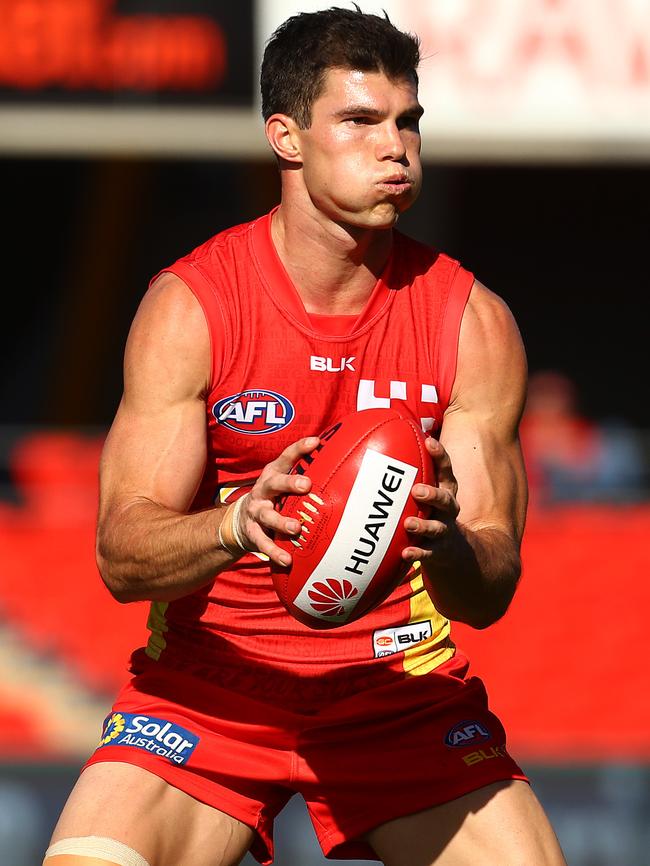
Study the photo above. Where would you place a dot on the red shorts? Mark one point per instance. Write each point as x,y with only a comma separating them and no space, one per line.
359,761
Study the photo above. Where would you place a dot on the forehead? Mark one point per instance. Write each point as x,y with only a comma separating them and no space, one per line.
355,87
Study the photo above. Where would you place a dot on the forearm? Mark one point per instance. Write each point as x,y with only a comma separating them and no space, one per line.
147,552
473,575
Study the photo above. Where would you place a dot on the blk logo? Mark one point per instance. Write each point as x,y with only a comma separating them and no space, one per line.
328,365
387,641
254,412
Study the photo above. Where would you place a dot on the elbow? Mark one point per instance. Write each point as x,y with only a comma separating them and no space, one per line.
116,586
484,619
110,571
495,607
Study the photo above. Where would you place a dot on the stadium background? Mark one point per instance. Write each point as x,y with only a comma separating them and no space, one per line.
129,133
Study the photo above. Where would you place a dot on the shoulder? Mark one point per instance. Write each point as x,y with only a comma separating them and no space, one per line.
223,245
487,317
168,301
491,355
169,337
416,259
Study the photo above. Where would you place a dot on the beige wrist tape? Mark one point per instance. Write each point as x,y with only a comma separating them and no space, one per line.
230,537
99,848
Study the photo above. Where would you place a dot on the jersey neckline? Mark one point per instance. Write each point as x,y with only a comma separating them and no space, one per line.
284,294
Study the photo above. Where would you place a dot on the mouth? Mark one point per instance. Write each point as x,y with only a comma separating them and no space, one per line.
397,185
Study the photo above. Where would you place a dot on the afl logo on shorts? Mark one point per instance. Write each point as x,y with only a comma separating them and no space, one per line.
467,734
254,412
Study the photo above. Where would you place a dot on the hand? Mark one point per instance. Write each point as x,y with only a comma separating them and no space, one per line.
441,504
257,517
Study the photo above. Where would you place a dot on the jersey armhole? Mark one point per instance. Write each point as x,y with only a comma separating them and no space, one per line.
449,334
205,293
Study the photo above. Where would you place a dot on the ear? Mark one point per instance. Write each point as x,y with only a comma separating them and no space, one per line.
282,134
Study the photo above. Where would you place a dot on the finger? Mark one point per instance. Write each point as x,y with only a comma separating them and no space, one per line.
292,453
430,529
272,484
252,528
440,498
260,519
442,462
273,521
264,544
416,554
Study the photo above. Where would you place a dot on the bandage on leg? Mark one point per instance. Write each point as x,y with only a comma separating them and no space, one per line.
78,860
95,851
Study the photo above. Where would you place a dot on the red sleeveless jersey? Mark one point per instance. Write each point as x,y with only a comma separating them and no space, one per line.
279,374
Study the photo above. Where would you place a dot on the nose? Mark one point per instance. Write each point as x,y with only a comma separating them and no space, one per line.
391,145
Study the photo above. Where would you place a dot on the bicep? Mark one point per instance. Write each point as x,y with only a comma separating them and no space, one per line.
480,427
156,447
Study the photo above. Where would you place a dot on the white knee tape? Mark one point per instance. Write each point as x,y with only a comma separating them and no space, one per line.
99,847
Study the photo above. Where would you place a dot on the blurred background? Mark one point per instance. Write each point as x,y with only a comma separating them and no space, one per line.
129,134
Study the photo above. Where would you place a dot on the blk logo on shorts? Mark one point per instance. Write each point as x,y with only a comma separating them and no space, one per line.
157,736
254,412
468,733
388,641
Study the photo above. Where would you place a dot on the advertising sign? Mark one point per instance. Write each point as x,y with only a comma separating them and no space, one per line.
502,79
124,51
537,74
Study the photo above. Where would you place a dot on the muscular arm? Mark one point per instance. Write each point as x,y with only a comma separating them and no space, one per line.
148,546
470,547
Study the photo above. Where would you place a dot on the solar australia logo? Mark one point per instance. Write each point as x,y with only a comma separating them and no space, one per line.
254,412
157,736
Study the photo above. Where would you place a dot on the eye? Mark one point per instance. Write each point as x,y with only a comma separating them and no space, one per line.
409,121
359,120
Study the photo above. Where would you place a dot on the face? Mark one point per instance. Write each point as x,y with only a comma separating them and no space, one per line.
361,155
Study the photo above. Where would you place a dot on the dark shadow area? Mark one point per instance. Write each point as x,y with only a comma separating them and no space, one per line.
561,244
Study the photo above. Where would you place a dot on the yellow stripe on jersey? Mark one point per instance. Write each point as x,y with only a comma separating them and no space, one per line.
157,625
224,494
435,650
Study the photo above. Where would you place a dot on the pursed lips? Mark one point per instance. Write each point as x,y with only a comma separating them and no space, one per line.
396,184
396,179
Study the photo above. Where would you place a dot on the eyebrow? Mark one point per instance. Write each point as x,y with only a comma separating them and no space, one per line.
367,111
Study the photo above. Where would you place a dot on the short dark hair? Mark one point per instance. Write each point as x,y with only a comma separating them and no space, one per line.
306,46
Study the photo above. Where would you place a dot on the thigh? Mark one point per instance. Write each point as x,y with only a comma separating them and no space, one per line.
399,750
502,824
164,825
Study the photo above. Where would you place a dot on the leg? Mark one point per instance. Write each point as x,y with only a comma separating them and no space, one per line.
162,824
502,824
76,860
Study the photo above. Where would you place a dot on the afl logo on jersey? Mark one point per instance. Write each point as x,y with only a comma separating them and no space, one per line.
467,733
254,412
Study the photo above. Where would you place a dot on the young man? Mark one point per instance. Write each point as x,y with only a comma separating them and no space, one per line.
239,355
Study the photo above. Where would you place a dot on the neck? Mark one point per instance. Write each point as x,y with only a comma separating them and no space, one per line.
334,267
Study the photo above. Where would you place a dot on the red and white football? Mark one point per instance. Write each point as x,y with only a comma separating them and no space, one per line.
348,556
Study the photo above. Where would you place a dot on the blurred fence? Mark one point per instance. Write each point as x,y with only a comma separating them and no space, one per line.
566,668
600,814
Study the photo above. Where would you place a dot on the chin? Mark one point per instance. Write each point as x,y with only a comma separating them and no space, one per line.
383,217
